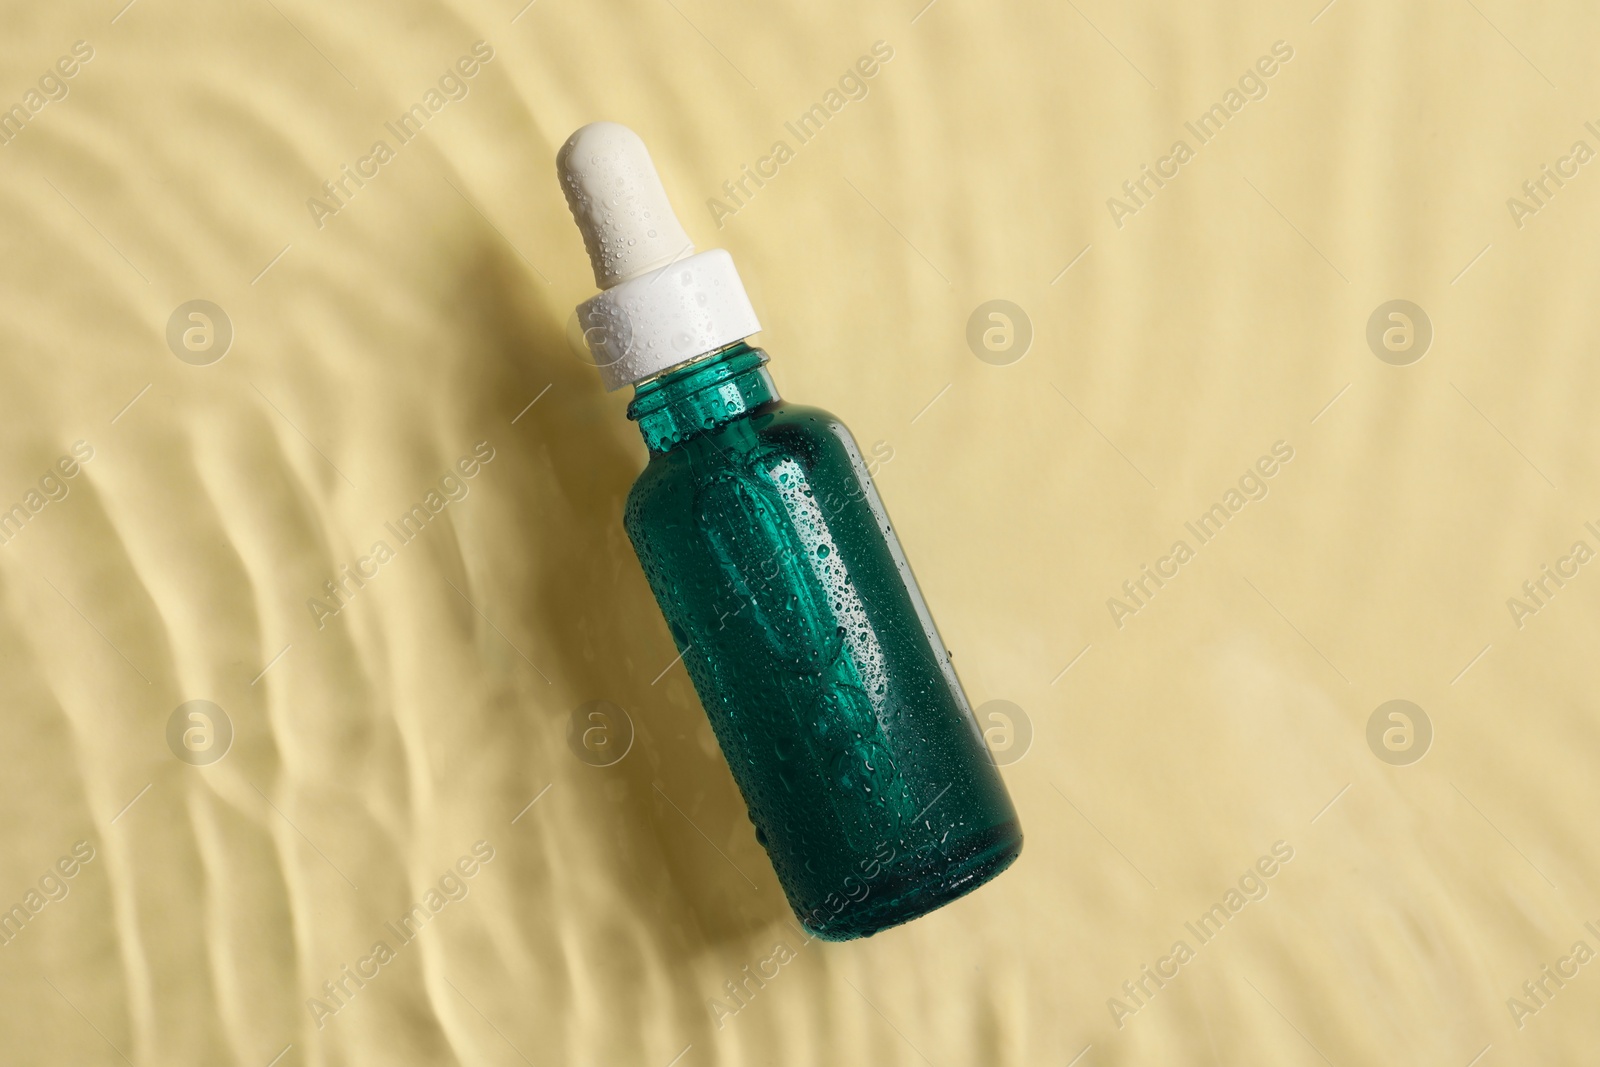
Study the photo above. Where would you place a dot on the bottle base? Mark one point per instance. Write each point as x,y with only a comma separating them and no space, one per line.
899,897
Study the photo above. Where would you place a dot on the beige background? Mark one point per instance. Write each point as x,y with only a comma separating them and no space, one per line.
1230,713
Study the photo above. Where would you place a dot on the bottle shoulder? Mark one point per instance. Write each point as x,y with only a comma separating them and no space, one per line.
780,426
798,425
811,437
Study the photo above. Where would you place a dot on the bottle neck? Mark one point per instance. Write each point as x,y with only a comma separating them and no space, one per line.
702,396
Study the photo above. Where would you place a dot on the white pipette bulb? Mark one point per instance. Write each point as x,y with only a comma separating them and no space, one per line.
619,203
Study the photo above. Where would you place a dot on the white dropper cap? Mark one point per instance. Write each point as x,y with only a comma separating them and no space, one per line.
661,303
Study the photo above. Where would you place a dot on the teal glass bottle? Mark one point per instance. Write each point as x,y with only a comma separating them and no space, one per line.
805,635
